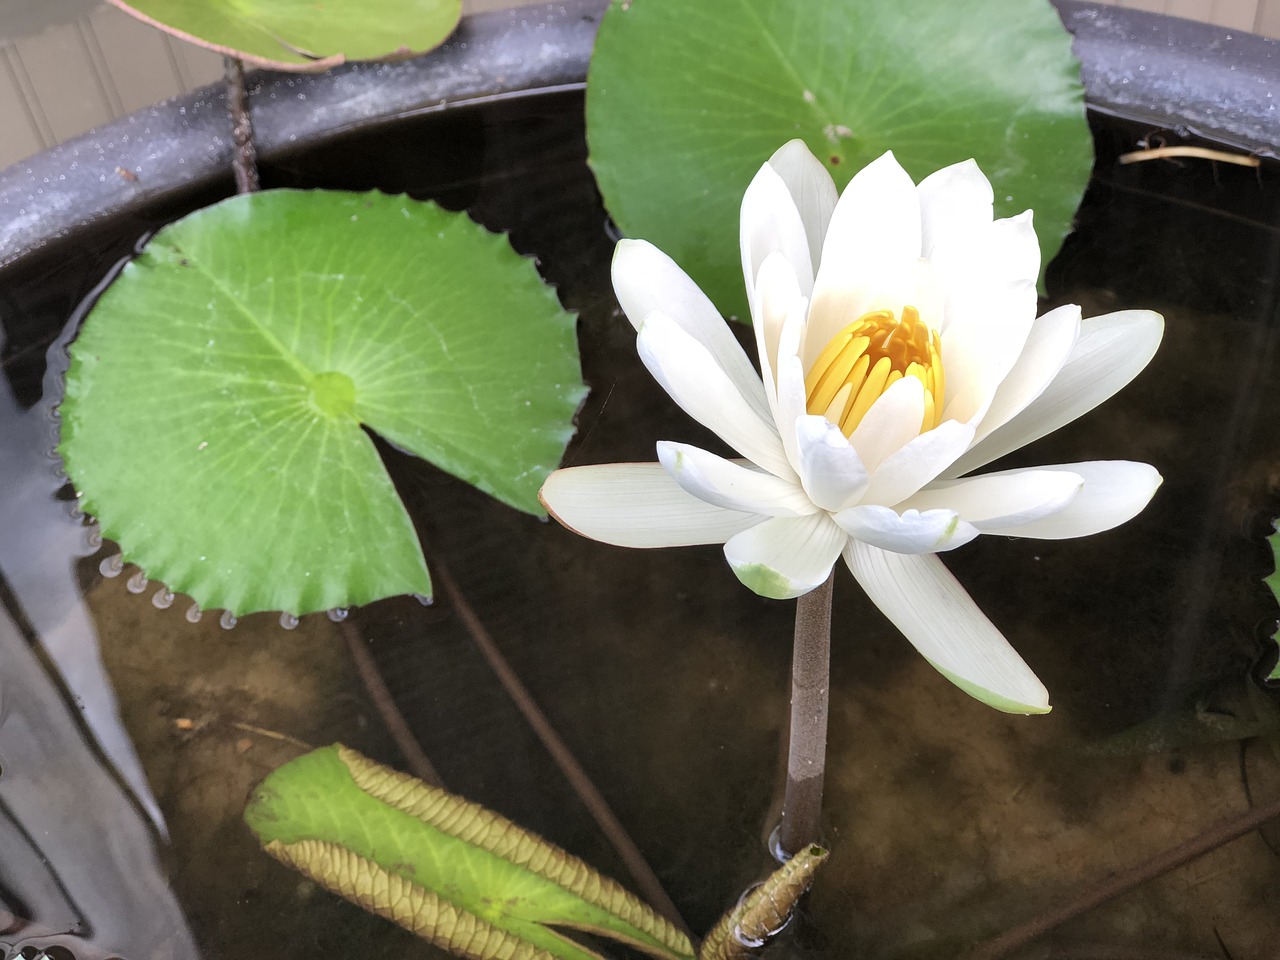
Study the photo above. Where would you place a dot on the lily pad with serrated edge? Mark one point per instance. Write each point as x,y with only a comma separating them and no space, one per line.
303,35
218,395
685,101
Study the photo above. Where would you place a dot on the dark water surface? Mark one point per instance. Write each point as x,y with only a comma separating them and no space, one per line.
948,821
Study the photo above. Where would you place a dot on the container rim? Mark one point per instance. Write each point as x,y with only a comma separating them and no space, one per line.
1199,80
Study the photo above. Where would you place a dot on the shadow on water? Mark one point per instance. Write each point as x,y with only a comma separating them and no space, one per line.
78,823
948,821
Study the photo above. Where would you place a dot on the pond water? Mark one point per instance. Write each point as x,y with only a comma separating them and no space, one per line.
121,832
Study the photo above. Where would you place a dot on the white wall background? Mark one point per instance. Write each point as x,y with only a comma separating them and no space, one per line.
69,65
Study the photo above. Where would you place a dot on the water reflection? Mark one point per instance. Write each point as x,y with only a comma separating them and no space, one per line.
78,867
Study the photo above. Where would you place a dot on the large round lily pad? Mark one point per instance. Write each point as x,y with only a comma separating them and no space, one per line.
218,395
303,34
685,101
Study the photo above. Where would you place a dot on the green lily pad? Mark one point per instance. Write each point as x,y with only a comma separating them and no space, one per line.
456,874
686,101
218,395
303,34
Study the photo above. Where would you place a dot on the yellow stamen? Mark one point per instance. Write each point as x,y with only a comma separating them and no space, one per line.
848,367
869,356
836,408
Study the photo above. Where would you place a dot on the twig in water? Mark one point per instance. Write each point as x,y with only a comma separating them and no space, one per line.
1203,153
646,880
273,734
1220,834
244,162
385,704
807,754
1226,954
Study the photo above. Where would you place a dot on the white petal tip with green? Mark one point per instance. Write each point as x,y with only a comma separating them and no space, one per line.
923,600
769,583
1032,699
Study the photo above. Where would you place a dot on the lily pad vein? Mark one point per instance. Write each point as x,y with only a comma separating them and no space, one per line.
269,335
822,116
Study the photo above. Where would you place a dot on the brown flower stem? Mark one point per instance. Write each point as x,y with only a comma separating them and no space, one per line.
645,879
807,753
244,162
414,756
1220,834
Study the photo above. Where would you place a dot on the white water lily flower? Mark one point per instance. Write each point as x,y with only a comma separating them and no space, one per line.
899,350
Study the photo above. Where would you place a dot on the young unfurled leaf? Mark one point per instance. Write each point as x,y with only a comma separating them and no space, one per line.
451,871
685,101
218,396
302,34
1273,581
763,910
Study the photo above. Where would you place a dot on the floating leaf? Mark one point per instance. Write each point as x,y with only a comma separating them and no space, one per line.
685,101
1273,581
303,34
218,394
450,871
763,910
1231,708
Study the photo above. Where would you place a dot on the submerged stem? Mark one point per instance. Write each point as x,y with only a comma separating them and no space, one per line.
646,880
807,752
419,765
1219,834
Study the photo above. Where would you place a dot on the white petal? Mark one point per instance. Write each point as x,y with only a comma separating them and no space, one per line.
732,485
636,505
978,358
876,218
910,531
891,423
791,405
830,470
1114,492
919,462
992,257
793,331
812,189
646,280
954,202
785,557
999,501
990,285
778,296
885,286
1048,346
872,243
923,600
703,390
770,222
1110,351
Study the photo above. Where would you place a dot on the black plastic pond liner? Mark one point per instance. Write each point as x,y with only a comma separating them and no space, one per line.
1188,78
1196,79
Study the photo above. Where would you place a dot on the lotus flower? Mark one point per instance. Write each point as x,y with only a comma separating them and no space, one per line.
899,350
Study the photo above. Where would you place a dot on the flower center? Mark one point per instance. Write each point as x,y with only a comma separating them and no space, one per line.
869,356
